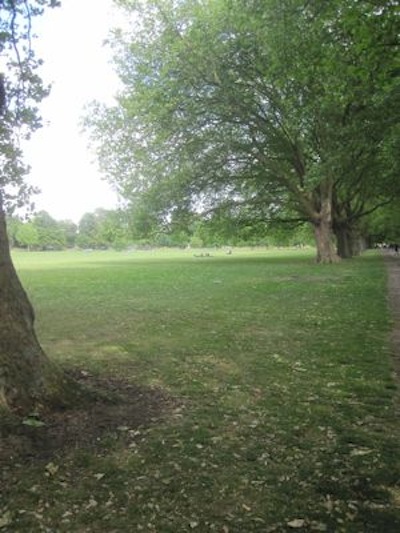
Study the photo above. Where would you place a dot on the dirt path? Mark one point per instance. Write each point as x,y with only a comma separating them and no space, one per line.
393,267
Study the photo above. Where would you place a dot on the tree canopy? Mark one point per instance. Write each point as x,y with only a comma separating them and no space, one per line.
260,109
22,89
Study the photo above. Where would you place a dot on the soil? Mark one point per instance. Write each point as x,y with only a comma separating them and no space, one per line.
119,408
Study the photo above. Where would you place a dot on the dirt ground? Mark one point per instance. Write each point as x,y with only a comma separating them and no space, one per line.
131,407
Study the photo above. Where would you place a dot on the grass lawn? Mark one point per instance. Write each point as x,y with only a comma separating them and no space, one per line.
286,400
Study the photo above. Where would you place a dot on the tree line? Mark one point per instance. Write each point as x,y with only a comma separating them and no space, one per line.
100,229
116,229
120,229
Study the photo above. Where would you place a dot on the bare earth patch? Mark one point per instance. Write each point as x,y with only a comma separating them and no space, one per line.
121,406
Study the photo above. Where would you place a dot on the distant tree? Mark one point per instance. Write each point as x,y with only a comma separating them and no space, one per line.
69,230
28,236
87,231
144,223
51,235
42,232
112,229
104,229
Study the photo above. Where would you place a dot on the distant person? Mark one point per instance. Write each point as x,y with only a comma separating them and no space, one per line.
396,249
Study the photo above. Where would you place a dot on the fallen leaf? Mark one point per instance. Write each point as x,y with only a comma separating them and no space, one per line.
52,469
329,504
92,503
318,526
297,523
360,451
33,422
5,519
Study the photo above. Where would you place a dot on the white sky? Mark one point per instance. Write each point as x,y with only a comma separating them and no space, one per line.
77,64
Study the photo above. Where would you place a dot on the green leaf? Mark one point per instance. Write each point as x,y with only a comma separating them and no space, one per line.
297,523
33,422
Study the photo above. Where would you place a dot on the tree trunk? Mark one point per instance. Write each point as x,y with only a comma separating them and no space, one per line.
344,239
322,225
359,244
27,378
326,250
350,241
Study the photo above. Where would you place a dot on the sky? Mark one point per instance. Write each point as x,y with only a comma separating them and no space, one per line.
70,41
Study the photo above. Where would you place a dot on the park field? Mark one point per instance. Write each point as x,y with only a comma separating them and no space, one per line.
275,376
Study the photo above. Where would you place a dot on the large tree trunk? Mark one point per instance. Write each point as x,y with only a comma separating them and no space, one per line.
344,239
322,225
350,241
27,378
326,249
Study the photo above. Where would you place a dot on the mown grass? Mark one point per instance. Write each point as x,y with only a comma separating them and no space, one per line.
288,401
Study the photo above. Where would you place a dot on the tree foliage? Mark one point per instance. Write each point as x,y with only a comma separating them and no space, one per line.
286,110
22,90
103,228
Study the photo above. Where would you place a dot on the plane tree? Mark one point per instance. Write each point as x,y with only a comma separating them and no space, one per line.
369,165
27,378
262,105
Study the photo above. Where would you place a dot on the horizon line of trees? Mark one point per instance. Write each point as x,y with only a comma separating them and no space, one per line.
120,229
115,229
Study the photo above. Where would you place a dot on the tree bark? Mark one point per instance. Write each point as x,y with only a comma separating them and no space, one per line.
344,239
322,225
326,249
350,241
28,379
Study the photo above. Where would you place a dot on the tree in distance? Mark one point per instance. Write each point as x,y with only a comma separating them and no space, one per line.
260,109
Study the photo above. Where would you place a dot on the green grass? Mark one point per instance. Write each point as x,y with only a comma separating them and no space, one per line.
283,368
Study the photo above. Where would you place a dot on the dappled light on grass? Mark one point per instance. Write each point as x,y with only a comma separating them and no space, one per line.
284,388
